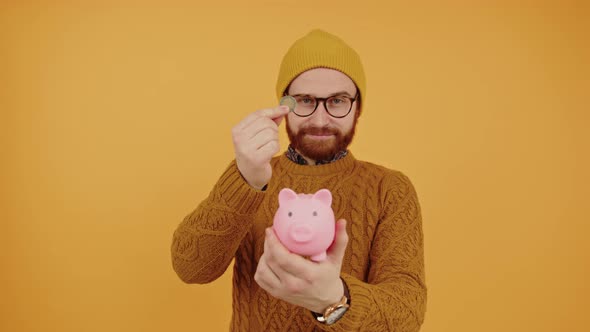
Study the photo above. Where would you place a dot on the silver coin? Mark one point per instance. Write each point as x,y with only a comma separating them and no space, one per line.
289,101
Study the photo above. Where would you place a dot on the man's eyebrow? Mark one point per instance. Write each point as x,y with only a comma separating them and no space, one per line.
339,93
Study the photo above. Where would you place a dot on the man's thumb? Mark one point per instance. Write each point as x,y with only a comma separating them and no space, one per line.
284,110
338,247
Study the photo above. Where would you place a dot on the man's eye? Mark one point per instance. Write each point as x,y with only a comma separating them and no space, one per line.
307,100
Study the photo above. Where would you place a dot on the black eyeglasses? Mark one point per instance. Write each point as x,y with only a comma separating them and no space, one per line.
337,106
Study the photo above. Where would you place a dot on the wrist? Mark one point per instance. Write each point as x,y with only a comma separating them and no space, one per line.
335,311
333,297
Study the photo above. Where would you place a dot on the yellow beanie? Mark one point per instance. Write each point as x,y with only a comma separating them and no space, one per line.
320,49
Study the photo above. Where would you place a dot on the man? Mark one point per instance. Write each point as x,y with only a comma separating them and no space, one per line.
373,277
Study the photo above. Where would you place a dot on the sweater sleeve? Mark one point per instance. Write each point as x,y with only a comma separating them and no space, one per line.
394,296
207,239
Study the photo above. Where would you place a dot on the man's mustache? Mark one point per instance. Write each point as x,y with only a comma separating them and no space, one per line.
319,131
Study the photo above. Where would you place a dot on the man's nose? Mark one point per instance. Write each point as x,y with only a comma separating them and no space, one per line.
320,117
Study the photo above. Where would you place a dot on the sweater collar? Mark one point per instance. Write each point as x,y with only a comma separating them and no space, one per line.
345,163
297,158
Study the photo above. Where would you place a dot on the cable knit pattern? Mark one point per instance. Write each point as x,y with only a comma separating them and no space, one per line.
383,265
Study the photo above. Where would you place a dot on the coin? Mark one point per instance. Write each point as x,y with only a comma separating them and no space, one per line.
289,101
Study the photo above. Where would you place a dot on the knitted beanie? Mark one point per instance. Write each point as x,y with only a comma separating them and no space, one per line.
320,49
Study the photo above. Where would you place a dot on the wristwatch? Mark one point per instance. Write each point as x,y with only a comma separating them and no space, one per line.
334,312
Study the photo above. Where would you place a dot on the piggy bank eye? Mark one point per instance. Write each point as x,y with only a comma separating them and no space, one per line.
290,213
315,213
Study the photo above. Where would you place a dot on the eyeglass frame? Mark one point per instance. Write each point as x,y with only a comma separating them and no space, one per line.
323,101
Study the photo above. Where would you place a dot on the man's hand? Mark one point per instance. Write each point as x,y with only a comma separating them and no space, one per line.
292,278
256,141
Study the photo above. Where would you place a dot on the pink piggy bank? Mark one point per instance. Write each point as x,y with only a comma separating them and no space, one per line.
305,223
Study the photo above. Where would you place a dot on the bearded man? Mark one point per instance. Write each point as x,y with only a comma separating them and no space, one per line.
373,276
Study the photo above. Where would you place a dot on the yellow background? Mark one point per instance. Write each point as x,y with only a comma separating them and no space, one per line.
115,123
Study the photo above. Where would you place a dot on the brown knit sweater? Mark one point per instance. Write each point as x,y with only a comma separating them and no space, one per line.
383,265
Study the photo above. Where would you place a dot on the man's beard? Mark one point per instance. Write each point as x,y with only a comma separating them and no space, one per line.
320,149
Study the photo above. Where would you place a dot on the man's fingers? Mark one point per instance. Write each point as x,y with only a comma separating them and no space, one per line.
269,149
259,125
276,114
262,146
262,138
282,261
338,247
265,277
279,120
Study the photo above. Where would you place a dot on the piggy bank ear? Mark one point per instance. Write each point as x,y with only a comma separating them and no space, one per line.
286,195
324,196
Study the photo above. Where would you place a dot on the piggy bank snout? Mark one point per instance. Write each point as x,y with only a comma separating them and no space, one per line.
301,232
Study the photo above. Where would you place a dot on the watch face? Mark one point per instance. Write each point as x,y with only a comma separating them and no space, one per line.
335,315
